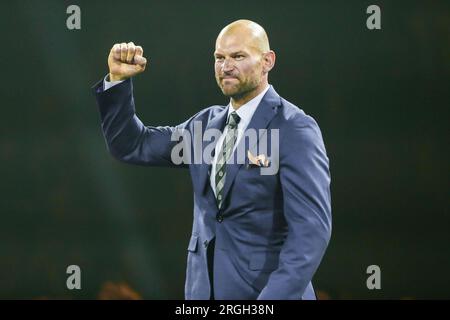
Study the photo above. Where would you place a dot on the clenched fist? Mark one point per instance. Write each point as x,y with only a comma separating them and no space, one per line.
125,60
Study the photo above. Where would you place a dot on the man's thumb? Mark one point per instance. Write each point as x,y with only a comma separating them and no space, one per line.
140,60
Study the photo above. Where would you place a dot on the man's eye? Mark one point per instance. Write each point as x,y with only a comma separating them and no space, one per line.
219,58
239,57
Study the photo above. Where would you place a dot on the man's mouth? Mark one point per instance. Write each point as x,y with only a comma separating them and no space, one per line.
229,78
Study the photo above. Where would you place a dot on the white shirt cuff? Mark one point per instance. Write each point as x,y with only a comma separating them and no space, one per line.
109,84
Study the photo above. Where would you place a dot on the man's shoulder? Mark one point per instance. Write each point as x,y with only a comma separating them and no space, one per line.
299,127
293,116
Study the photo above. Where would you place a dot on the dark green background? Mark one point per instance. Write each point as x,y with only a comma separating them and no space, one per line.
380,97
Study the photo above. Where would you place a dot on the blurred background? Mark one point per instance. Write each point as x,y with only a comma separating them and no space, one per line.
381,98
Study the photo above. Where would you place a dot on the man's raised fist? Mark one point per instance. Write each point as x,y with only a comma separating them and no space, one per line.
125,60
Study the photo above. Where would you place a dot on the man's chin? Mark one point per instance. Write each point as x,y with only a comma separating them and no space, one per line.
228,92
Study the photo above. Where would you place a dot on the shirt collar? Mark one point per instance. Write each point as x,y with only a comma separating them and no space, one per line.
246,111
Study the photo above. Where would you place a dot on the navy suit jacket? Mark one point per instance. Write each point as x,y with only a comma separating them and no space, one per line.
272,230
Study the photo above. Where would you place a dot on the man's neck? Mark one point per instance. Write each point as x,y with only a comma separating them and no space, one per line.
237,102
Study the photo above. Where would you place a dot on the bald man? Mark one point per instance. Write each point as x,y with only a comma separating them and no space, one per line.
262,205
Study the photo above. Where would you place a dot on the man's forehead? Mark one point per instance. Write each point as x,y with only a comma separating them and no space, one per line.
233,49
233,45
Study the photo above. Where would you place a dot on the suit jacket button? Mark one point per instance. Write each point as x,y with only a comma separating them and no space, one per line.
220,218
205,244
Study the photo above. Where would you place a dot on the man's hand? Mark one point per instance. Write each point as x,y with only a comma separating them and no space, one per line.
125,61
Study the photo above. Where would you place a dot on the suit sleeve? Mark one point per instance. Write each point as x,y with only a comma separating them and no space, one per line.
127,138
305,182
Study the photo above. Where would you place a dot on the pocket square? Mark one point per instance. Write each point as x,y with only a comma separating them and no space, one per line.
260,160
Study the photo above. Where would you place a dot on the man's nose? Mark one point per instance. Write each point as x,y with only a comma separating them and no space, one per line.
227,65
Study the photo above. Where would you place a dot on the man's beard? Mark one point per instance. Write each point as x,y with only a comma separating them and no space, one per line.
239,90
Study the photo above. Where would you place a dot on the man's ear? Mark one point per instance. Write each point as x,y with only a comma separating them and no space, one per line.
268,61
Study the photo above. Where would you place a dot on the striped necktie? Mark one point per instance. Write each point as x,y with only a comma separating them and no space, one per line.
226,151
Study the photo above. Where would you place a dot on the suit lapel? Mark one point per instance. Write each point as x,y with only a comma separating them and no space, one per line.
217,122
264,113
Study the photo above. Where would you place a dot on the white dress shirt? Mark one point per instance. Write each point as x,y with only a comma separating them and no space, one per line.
245,112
